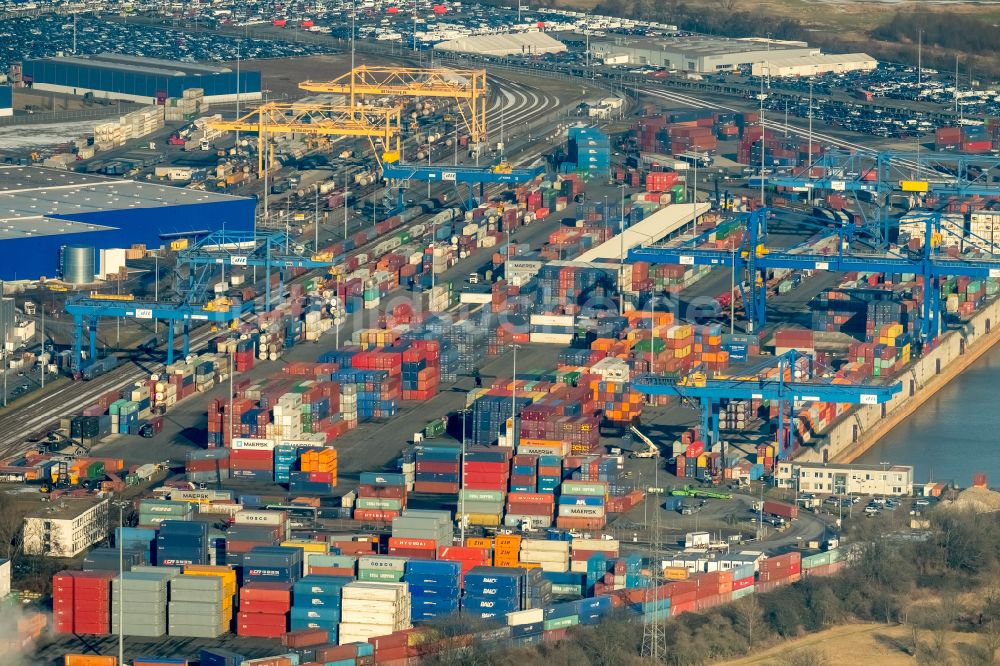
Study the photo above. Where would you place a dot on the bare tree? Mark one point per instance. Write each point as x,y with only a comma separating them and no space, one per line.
750,619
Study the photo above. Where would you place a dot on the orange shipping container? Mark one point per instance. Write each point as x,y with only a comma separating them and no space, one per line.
89,660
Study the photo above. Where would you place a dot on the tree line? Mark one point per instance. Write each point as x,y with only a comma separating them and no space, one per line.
960,553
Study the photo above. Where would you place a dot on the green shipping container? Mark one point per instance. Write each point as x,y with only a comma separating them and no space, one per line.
379,576
562,622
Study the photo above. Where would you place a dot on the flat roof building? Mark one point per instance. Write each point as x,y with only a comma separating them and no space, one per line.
66,527
704,55
42,210
512,43
830,63
138,79
828,478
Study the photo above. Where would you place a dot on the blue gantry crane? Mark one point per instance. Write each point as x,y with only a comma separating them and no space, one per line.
91,308
785,388
245,248
470,175
754,258
874,177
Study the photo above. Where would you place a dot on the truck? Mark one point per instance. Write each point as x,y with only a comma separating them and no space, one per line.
151,428
780,509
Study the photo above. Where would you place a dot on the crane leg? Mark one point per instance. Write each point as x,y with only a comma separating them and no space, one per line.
715,421
92,337
186,338
77,342
170,342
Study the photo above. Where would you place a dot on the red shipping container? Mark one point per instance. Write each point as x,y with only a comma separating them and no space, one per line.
277,592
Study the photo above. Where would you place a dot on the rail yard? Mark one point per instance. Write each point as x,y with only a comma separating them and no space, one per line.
385,344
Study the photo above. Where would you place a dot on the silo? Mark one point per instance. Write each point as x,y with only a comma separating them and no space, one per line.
78,264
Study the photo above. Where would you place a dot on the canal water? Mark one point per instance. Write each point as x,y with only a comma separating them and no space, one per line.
953,435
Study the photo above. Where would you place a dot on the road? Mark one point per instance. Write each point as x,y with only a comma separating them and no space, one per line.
19,422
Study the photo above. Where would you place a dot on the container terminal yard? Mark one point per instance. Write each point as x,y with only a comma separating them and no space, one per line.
309,354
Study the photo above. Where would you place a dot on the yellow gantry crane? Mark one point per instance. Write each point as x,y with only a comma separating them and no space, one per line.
466,86
379,124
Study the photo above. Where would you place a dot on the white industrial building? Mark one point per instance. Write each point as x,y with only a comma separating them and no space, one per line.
511,43
66,527
704,55
831,63
826,478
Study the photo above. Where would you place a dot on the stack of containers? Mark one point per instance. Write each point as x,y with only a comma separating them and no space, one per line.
208,466
480,507
475,554
549,473
374,609
779,570
524,471
252,459
490,414
743,580
381,568
492,592
435,588
549,555
506,550
537,590
419,533
381,497
487,469
200,606
81,602
377,391
421,371
317,473
437,469
182,542
264,609
316,602
154,512
241,539
318,564
272,564
532,510
582,505
139,598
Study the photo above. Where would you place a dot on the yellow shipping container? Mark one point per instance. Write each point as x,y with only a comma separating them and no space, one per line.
308,546
478,542
505,561
484,519
676,573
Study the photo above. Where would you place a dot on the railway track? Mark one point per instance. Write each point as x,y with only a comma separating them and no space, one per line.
516,102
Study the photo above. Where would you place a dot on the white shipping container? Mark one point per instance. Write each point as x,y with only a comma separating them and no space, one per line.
252,444
551,338
581,511
255,517
382,563
545,545
552,320
603,545
372,591
525,617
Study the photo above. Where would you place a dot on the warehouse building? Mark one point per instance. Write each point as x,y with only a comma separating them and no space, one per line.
66,527
144,80
856,479
44,211
513,43
832,63
6,101
703,55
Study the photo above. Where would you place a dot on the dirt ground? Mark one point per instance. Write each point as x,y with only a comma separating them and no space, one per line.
281,76
855,644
